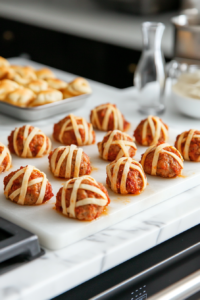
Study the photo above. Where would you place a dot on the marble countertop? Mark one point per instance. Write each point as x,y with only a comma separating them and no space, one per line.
56,272
87,19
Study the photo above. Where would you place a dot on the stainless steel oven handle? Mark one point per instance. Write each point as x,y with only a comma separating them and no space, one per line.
180,290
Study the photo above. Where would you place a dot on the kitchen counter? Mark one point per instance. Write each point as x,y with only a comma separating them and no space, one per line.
87,19
59,271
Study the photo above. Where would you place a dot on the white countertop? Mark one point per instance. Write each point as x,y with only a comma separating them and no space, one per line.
87,19
57,271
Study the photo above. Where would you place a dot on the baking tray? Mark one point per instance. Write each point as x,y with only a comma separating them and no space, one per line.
56,231
43,111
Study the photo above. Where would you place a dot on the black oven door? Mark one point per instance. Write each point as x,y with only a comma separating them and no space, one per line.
163,269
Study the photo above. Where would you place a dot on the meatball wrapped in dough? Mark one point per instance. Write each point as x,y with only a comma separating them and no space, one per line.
82,198
28,142
69,162
188,144
151,131
126,176
116,144
107,117
27,186
74,130
162,160
5,158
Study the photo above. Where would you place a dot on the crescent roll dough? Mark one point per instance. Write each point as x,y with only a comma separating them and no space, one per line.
7,86
20,97
44,74
46,97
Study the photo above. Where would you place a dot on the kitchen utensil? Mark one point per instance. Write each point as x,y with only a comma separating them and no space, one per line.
56,231
44,111
149,78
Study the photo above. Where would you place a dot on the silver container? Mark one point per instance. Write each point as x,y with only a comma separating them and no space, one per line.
187,35
43,111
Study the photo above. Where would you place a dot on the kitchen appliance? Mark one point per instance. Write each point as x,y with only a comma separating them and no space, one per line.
187,35
143,7
17,246
175,261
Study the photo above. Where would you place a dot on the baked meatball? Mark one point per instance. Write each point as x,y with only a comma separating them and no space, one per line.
188,144
151,131
82,198
74,130
115,145
107,117
69,162
29,141
27,186
126,176
5,158
162,160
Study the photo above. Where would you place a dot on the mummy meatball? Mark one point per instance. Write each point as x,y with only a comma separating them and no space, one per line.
74,130
162,160
188,144
116,144
69,162
28,142
108,117
82,198
27,186
126,176
5,158
151,131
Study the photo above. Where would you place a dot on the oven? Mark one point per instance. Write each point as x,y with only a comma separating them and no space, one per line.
168,271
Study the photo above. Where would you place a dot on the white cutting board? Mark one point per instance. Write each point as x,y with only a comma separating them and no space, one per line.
56,231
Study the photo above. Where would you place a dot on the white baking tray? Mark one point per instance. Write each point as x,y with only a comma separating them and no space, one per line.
43,111
56,231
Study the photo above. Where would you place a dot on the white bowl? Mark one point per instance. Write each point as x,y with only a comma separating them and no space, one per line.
186,105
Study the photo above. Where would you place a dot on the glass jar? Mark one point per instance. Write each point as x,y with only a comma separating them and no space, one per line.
150,75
